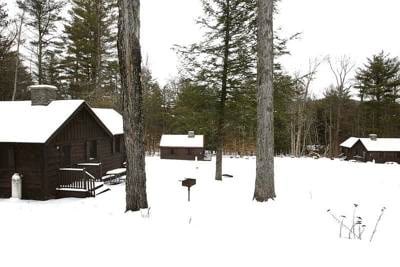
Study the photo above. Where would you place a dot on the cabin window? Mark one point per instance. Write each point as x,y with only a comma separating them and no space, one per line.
91,149
172,151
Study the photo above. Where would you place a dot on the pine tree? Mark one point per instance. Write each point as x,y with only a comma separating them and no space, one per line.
153,109
6,37
42,17
224,60
379,80
90,39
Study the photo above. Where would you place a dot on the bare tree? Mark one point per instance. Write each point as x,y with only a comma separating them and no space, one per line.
341,68
300,121
129,54
264,185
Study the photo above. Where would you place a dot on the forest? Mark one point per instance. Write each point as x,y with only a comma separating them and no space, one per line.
77,52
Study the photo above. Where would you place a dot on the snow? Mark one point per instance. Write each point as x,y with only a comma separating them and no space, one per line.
350,142
89,164
221,226
116,171
111,119
177,140
23,123
42,86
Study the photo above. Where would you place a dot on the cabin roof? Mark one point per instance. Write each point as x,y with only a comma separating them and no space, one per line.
111,119
350,142
378,145
178,140
20,122
381,144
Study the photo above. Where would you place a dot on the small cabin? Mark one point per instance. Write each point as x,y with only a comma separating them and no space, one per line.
60,148
182,147
379,150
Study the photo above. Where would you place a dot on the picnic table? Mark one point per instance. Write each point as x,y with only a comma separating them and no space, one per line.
115,176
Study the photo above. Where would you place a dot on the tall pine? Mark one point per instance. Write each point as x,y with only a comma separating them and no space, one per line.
224,59
90,39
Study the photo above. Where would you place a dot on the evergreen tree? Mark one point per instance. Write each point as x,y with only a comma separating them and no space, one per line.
379,80
224,60
153,110
90,62
42,17
6,36
7,72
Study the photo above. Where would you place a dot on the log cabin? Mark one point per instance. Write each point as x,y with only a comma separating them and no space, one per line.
182,147
379,150
60,148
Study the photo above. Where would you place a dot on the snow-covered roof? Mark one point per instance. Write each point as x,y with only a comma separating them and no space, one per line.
378,145
381,144
349,142
21,122
177,140
111,119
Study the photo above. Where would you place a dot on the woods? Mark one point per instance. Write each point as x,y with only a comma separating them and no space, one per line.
215,92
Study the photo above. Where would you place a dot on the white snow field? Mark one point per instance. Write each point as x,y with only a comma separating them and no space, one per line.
221,226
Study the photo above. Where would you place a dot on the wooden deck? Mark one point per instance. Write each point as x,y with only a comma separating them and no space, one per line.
77,182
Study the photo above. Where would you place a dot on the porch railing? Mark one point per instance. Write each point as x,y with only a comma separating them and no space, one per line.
95,169
76,179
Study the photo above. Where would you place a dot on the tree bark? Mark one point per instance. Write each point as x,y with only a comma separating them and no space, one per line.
264,185
130,68
17,57
221,104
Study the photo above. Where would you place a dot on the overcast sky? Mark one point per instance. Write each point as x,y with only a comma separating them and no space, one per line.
357,28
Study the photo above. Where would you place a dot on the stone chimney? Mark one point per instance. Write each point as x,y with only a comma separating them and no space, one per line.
373,137
191,134
42,95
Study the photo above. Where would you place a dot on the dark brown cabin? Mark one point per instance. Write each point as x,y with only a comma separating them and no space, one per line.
64,152
182,147
379,150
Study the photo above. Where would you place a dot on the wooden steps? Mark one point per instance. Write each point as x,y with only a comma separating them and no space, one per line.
98,189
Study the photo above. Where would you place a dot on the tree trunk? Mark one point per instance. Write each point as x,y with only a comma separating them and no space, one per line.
221,104
130,68
17,57
264,185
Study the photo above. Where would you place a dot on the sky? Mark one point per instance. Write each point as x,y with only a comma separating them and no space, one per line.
356,28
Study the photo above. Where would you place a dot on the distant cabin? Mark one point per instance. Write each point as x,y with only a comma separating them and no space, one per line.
376,149
60,147
183,147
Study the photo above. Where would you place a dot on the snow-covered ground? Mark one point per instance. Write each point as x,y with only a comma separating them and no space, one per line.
221,226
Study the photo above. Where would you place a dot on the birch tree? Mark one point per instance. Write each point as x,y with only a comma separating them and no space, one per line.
264,185
129,54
